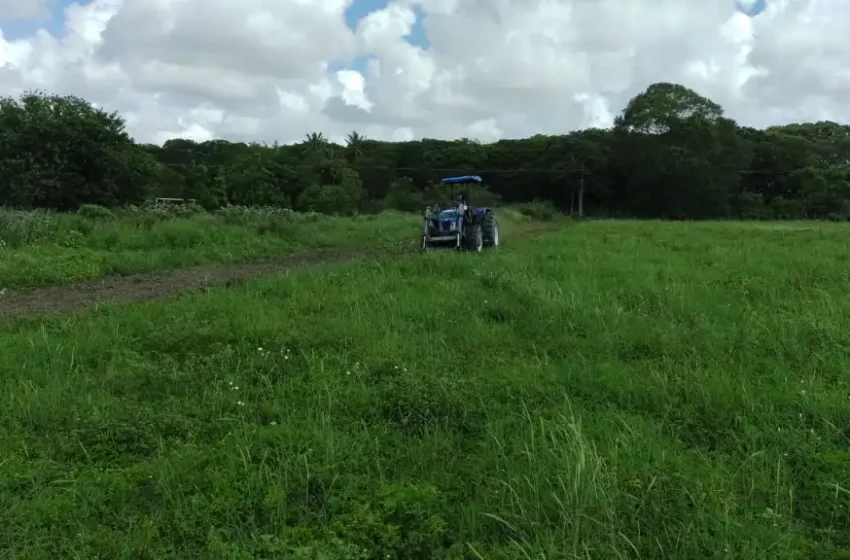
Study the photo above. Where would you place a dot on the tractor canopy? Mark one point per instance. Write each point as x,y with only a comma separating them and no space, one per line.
452,213
466,179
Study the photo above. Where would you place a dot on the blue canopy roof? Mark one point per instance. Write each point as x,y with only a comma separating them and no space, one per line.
464,179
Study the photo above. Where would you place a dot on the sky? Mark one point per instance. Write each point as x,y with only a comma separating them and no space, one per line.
277,70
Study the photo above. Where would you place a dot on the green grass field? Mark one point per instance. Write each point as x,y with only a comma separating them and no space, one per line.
47,249
611,390
42,248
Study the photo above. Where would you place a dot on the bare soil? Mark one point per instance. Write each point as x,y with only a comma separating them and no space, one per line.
146,287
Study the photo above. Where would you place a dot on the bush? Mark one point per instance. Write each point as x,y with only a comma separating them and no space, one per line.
402,196
95,212
538,210
337,199
19,228
266,219
514,215
482,196
327,199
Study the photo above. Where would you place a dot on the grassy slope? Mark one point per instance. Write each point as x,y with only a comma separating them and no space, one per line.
667,390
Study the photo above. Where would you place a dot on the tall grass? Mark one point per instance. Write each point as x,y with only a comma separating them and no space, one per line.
41,248
614,390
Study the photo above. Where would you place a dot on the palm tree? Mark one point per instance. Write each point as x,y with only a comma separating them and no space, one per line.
354,145
316,140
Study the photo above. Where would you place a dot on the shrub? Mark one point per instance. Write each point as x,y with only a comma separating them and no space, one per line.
538,210
19,228
95,212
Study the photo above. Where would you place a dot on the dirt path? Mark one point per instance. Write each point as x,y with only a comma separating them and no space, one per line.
146,287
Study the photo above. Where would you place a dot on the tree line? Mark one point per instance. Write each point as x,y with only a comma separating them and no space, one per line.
671,154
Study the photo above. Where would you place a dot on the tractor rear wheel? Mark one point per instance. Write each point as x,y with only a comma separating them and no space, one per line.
490,229
474,238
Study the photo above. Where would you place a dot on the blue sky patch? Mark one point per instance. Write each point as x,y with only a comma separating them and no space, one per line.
17,29
361,8
757,8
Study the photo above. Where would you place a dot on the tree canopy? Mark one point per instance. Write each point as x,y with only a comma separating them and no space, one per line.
671,153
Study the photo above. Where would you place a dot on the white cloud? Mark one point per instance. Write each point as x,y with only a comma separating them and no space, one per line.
275,70
353,89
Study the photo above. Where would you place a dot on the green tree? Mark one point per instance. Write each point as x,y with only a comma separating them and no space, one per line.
341,198
672,153
316,141
255,180
60,152
679,157
354,146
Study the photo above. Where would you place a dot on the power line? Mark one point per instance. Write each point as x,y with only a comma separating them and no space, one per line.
395,168
479,171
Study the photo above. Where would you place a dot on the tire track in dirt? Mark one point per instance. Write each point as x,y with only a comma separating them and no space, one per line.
68,298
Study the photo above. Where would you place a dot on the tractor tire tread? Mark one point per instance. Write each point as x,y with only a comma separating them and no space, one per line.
489,224
473,235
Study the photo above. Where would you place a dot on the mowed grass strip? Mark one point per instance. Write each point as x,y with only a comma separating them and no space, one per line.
612,390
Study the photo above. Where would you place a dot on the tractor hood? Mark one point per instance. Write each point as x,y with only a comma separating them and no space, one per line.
449,215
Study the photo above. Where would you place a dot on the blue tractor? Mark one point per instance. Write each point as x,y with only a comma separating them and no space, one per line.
457,225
